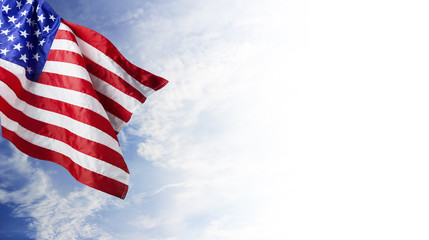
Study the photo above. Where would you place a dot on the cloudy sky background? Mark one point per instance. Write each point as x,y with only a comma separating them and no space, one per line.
282,120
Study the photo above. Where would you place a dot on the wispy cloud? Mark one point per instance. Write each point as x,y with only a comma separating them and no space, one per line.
216,123
139,197
50,215
145,222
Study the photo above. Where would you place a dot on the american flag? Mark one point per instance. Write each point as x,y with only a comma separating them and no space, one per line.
65,93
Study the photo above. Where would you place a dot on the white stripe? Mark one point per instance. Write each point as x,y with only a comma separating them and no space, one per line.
60,94
115,94
67,45
83,160
103,60
78,128
64,27
67,69
117,123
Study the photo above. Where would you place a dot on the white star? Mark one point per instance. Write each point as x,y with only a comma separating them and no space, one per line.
41,18
1,23
30,22
37,33
52,17
47,29
29,70
4,51
11,38
5,32
30,1
12,19
17,46
23,58
24,13
38,8
36,56
24,33
18,4
18,25
42,42
6,8
30,45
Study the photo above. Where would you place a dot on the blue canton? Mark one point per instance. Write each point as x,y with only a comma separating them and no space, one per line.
27,30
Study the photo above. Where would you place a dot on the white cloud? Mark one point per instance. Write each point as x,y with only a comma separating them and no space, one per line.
219,122
50,215
353,86
145,222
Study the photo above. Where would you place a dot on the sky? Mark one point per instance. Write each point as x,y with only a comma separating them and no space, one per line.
282,120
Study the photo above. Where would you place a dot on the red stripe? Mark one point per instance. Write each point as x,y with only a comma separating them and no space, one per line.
82,145
67,82
77,113
81,174
114,108
113,80
104,45
66,56
64,34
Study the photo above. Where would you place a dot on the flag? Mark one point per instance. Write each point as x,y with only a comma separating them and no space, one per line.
66,92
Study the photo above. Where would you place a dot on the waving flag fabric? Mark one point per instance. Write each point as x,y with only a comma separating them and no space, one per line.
65,93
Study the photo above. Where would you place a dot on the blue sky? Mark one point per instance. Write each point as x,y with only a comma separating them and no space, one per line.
282,120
